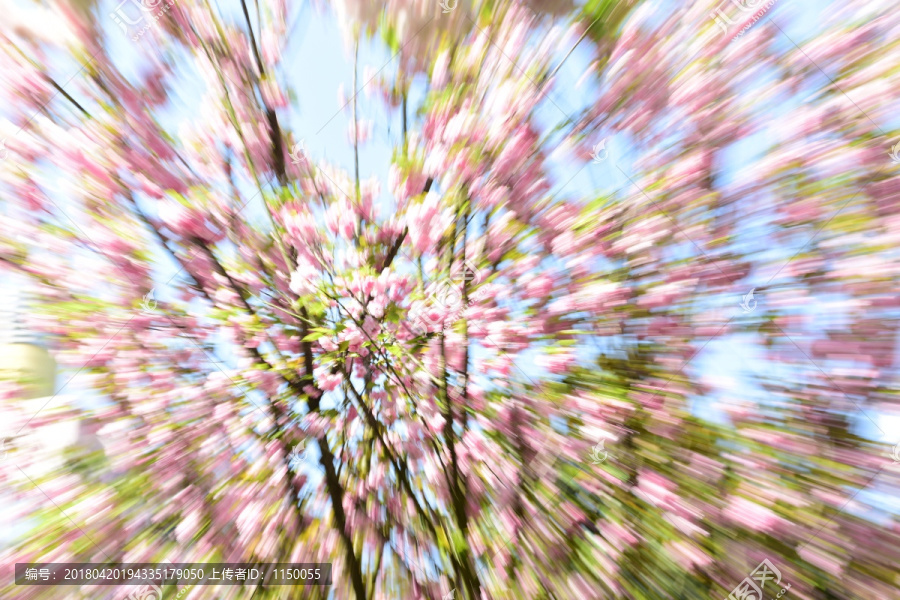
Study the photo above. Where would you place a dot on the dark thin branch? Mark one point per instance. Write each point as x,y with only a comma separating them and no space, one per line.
271,117
278,411
326,459
404,116
395,462
66,95
392,253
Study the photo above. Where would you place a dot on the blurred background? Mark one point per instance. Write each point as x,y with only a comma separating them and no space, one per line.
475,300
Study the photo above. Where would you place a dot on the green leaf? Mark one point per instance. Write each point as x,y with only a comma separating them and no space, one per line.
314,336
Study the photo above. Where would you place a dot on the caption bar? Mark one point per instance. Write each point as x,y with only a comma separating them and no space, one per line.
171,573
